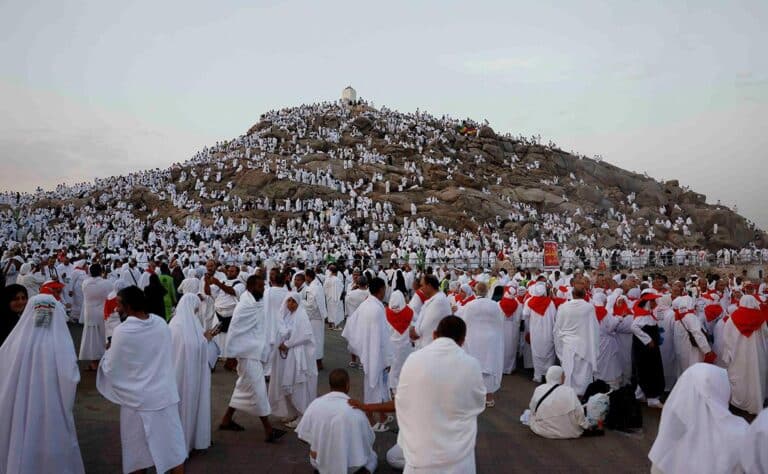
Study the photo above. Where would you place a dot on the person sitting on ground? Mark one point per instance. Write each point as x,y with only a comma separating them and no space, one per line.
555,410
339,436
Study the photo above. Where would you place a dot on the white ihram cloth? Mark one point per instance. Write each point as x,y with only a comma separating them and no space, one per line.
339,434
577,342
193,376
754,456
697,433
137,374
353,299
246,341
432,312
609,367
666,317
440,394
273,299
37,393
541,327
485,339
95,293
369,337
690,325
316,310
293,384
560,415
512,338
78,277
333,288
746,359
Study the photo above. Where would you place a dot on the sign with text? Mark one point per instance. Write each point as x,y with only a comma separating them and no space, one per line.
551,260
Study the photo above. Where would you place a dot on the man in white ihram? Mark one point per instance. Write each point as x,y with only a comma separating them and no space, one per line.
246,342
577,340
340,437
440,394
485,338
435,308
137,374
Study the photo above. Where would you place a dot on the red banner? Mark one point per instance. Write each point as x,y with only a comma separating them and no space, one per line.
551,260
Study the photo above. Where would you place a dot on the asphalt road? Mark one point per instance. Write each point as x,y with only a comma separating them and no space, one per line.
503,444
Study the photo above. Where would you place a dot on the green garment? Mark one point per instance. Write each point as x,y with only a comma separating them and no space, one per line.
170,294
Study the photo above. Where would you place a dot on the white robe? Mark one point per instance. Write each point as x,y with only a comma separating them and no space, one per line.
95,292
746,359
333,288
316,310
754,456
559,416
666,319
78,277
686,353
273,298
193,374
512,339
246,341
340,435
440,394
293,384
577,342
137,374
432,312
369,337
485,339
697,433
542,340
609,359
37,393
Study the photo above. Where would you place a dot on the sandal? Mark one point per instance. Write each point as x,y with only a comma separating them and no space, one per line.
231,426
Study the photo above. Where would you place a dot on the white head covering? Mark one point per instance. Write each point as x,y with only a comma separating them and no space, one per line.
561,401
555,375
39,381
599,299
467,290
397,301
683,303
697,433
186,323
189,285
749,301
538,289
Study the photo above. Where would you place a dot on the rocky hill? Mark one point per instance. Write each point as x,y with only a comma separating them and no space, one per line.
461,175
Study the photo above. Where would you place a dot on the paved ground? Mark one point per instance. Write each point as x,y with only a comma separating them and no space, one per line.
503,445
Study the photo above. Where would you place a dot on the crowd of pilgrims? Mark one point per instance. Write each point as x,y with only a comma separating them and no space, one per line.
108,214
695,347
163,301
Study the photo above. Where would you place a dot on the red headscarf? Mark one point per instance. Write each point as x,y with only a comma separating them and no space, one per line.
508,306
748,320
400,320
601,312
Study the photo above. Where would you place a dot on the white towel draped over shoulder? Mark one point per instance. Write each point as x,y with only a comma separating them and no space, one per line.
139,347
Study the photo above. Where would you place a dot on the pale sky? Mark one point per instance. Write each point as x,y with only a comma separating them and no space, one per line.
676,89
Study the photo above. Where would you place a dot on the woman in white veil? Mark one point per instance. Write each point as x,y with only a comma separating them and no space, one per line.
37,392
697,433
193,373
293,384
